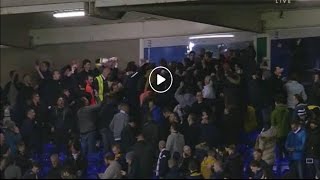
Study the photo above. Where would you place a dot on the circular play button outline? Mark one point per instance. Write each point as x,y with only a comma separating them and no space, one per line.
171,79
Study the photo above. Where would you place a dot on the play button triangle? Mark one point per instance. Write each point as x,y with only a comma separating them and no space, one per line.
160,79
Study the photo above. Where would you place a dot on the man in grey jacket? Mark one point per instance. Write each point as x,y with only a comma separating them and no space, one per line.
119,121
114,168
87,116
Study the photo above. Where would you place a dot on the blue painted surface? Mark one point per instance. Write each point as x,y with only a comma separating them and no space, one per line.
171,53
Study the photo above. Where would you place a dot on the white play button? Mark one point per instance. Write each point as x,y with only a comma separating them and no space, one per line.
160,79
156,79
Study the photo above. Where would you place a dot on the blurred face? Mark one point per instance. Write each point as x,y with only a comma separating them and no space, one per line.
22,148
106,72
87,66
278,71
187,150
150,104
256,155
60,102
36,98
199,96
31,114
254,169
54,161
56,75
129,161
115,150
27,79
90,79
43,67
86,101
216,167
172,118
68,73
294,127
35,170
313,126
207,80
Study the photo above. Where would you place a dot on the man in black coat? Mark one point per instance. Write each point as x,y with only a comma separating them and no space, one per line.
200,105
77,161
144,157
33,173
313,146
55,171
162,167
233,166
52,89
192,133
108,109
128,138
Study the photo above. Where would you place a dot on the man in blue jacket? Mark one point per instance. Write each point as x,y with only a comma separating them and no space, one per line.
295,146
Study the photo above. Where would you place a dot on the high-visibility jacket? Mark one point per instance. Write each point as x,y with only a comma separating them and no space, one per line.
100,86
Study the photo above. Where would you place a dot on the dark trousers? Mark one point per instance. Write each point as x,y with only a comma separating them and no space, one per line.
88,142
106,138
297,167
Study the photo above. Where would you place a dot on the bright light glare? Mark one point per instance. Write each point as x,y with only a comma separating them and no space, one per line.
69,14
191,45
205,36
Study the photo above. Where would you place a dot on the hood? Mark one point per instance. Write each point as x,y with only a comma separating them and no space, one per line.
281,107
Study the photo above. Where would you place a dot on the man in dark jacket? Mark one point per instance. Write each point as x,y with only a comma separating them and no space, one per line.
11,135
108,109
23,158
192,133
25,92
150,131
77,161
10,90
82,76
29,131
55,171
62,123
276,82
52,89
233,166
162,162
209,134
33,173
200,105
128,138
313,146
87,116
144,157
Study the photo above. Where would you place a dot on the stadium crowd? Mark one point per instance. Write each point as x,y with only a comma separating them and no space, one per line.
202,127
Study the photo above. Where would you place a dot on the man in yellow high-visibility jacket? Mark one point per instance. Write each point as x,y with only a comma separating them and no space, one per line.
100,84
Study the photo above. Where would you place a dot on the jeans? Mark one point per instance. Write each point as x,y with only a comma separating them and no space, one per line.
106,138
297,167
88,142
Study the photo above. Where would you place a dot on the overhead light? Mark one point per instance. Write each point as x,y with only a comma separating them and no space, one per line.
69,14
207,36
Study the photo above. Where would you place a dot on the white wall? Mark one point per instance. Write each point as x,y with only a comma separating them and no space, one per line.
23,60
292,19
137,30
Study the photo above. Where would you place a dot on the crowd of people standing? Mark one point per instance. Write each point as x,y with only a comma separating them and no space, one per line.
193,131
